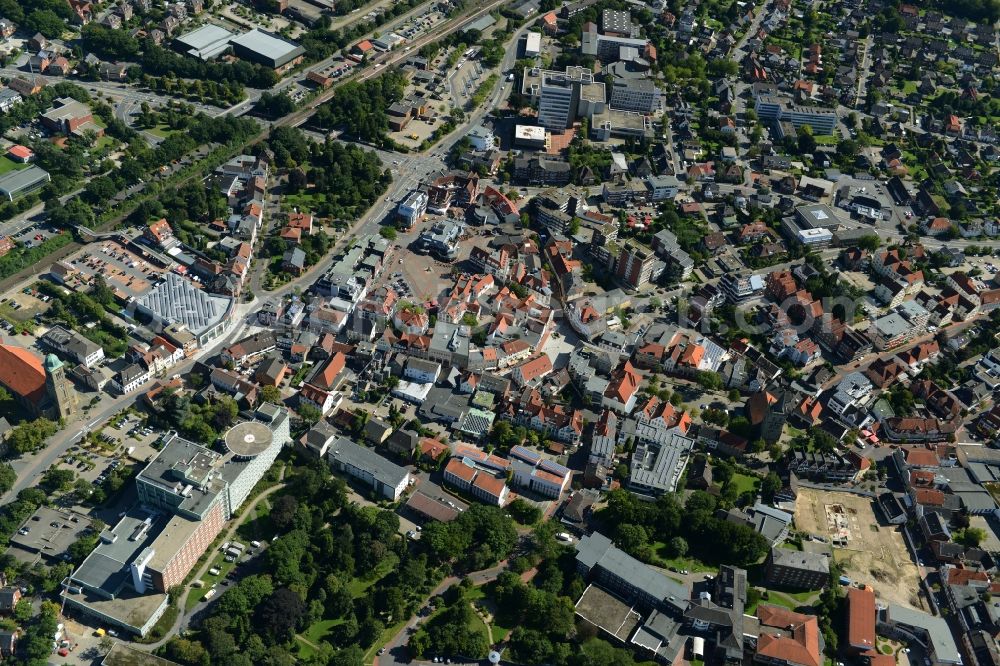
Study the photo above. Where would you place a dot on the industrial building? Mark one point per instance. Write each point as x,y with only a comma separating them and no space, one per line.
266,49
204,43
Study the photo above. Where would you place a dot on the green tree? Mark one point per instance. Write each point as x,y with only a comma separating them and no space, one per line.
970,537
678,546
805,140
271,394
308,413
770,486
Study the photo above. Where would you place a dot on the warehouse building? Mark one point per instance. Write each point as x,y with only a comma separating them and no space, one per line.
204,43
266,49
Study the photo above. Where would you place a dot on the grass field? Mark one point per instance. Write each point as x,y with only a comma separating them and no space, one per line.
679,563
7,164
162,130
745,483
359,586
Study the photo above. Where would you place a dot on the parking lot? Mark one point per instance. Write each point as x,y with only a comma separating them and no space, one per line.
17,306
123,270
464,80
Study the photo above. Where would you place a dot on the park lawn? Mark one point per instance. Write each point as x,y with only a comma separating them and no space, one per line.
302,200
790,600
259,528
7,164
500,630
318,631
359,586
745,483
305,651
162,130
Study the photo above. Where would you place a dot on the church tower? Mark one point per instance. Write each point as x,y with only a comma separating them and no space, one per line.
61,395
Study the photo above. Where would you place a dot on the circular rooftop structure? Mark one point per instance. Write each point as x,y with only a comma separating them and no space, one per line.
249,439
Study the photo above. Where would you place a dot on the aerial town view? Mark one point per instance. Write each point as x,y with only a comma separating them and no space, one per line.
500,332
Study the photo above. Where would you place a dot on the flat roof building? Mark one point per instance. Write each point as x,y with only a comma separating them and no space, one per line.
530,136
779,109
186,494
177,300
562,97
205,42
532,44
266,49
387,478
24,181
49,533
657,466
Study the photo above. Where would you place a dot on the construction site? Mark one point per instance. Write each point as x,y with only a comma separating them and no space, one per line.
868,550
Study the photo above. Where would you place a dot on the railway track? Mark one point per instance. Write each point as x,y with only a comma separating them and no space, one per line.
294,119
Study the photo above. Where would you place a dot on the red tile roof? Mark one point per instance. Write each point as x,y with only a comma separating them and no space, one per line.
534,368
489,484
21,152
957,576
328,375
22,373
918,457
798,640
456,467
861,618
928,496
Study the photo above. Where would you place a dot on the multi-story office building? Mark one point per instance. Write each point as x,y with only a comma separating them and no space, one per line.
631,90
798,569
411,210
562,97
778,110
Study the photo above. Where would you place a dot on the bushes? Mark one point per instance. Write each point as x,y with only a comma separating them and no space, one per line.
22,257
